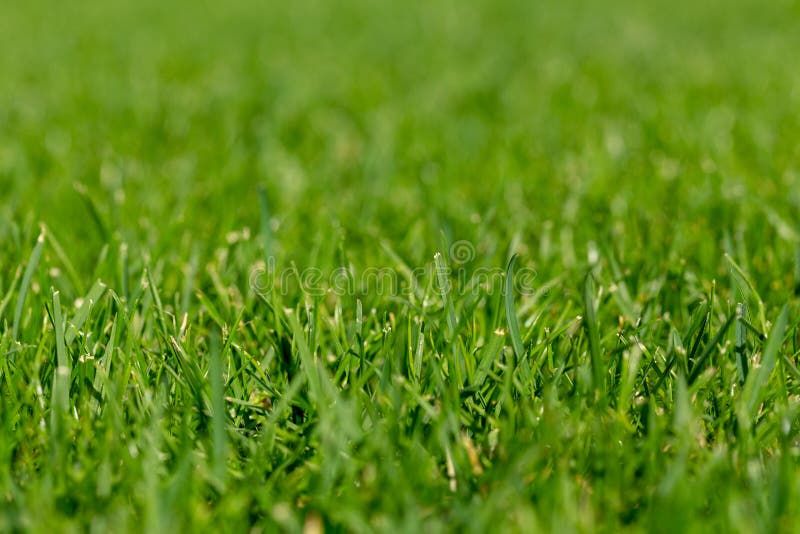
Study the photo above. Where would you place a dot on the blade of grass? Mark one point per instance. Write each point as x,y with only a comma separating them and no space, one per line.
306,358
699,365
95,293
592,331
747,289
443,279
754,389
30,269
511,314
61,381
741,343
94,211
159,308
219,421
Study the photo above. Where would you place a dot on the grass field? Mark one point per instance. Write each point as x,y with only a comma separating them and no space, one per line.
428,266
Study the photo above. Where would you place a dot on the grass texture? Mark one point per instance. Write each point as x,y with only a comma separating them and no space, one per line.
399,266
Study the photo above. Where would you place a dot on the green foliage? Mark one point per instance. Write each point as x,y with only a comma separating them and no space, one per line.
427,266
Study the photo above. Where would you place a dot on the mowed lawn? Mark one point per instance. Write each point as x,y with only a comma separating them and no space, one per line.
357,265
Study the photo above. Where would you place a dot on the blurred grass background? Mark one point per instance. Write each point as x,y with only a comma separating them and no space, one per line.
396,118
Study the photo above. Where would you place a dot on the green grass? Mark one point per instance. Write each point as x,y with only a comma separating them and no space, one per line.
433,266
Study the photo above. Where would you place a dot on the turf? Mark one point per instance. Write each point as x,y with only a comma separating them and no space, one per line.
410,266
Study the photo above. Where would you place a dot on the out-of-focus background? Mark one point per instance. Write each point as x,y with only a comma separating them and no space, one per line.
399,119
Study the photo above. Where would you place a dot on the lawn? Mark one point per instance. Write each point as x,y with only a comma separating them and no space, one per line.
355,265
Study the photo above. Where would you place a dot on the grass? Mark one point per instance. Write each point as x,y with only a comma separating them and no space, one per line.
386,266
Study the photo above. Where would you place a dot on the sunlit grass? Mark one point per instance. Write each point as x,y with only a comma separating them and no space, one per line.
435,266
